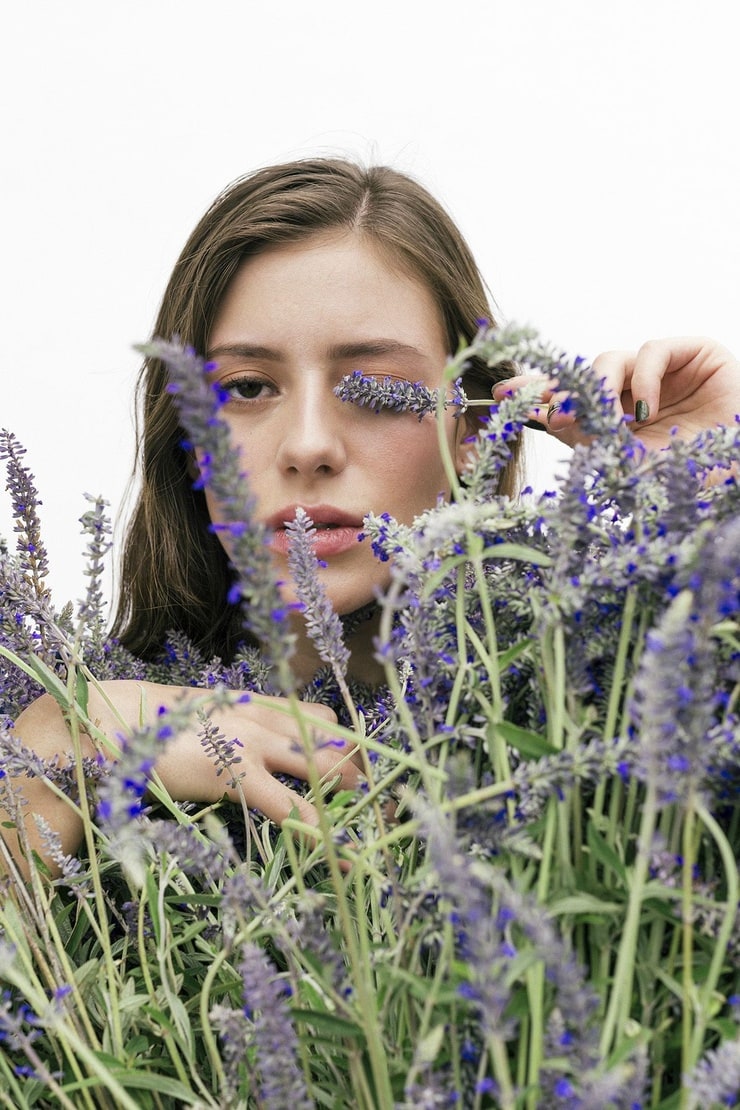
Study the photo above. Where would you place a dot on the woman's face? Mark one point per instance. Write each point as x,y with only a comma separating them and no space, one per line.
293,322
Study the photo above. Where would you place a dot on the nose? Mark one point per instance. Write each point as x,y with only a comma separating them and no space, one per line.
314,435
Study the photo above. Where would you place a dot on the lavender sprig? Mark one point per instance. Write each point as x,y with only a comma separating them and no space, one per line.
30,546
323,624
676,694
199,401
96,525
122,803
494,440
715,1081
234,1032
281,1082
400,395
221,751
588,398
487,913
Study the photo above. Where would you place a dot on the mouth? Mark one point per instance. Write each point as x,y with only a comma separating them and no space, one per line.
337,531
324,517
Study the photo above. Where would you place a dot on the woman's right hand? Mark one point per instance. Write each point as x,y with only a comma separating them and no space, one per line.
271,740
270,743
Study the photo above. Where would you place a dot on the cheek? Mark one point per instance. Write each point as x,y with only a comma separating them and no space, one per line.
408,457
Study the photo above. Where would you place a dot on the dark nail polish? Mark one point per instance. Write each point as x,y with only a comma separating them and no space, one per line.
642,411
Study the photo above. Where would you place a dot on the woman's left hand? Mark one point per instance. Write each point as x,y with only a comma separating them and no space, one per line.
686,383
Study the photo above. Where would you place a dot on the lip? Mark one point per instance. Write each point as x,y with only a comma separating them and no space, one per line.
342,536
320,514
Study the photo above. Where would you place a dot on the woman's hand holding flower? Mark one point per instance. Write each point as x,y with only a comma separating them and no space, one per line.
679,386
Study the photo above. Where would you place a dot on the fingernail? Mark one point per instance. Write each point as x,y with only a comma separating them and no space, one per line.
554,407
642,411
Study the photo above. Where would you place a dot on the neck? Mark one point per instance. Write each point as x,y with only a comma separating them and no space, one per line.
363,666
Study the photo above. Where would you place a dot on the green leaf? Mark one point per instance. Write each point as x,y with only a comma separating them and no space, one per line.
81,691
153,902
527,743
50,681
427,1049
584,903
137,1080
518,551
328,1023
507,657
602,851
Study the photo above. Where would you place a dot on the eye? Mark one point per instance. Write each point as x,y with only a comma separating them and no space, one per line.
246,389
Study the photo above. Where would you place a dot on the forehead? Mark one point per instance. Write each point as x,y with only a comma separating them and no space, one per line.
338,279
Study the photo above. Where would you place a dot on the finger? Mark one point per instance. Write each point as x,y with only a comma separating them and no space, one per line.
643,379
637,377
658,358
336,759
287,754
537,415
510,386
561,412
308,709
614,369
278,802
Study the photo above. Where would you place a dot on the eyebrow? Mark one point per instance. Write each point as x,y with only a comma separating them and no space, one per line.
341,351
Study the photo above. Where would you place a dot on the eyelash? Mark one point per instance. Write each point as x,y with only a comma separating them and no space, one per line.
231,386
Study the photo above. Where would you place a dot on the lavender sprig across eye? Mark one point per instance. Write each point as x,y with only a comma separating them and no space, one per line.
400,395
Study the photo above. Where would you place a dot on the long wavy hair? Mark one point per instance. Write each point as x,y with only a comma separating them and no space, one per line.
174,574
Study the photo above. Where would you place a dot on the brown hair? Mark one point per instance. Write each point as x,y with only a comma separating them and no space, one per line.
174,573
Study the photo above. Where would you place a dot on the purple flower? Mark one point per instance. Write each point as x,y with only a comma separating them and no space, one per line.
676,694
281,1082
218,463
715,1081
322,623
222,752
96,526
29,544
387,394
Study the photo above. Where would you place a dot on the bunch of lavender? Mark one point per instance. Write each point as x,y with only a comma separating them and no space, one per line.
562,677
523,641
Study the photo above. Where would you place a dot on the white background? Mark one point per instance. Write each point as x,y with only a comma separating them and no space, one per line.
589,150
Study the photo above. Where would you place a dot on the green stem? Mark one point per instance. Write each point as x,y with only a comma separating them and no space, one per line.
722,937
535,975
687,938
620,999
209,1038
616,695
500,1061
365,992
94,872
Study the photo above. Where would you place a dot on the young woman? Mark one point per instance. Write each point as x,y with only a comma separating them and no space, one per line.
297,275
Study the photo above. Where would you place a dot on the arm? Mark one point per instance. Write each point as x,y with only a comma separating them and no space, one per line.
271,744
